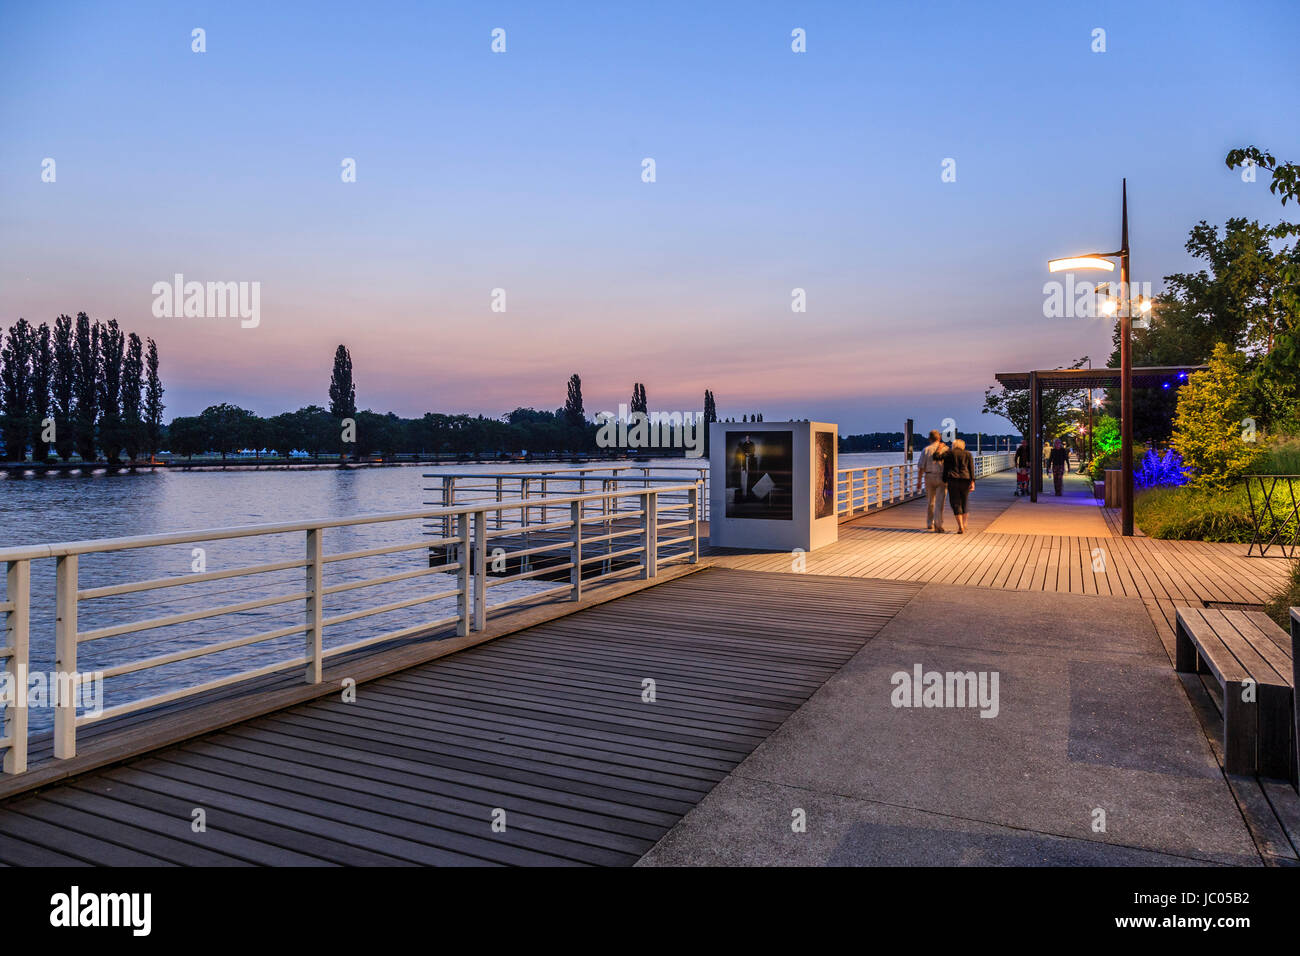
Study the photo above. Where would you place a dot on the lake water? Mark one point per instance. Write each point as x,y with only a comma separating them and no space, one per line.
74,508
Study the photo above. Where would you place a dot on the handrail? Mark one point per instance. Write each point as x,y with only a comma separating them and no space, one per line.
89,545
581,469
861,489
453,567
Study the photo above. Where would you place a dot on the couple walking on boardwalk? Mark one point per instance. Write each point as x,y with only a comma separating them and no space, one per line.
946,471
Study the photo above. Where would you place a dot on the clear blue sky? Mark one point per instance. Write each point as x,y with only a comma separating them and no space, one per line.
522,171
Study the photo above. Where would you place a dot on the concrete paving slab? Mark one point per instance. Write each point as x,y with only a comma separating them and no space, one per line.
1090,717
746,822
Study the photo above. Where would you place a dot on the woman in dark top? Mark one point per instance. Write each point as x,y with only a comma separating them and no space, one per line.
959,476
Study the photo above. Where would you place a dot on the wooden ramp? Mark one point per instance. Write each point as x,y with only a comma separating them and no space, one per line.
547,725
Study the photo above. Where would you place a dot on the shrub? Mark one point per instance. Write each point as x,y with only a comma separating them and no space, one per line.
1208,422
1160,470
1105,435
1192,513
1099,465
1280,458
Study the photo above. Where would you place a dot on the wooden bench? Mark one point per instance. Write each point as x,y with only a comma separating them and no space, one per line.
1252,659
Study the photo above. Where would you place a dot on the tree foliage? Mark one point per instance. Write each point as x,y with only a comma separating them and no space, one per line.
1060,407
1212,425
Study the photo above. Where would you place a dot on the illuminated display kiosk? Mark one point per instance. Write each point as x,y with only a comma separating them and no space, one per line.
772,485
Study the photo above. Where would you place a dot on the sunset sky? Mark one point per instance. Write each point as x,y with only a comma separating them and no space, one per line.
522,171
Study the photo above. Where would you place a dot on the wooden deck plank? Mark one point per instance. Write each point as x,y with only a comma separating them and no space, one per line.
547,724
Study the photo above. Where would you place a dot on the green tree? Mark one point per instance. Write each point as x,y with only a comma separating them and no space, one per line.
1285,182
16,389
187,436
1277,373
638,403
285,434
343,395
153,403
1212,423
62,386
42,352
86,386
1059,407
133,432
319,429
710,415
1240,298
112,347
573,410
228,427
1105,436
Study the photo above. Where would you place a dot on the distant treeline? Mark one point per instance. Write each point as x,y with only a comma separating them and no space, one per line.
226,429
893,441
342,430
81,387
84,388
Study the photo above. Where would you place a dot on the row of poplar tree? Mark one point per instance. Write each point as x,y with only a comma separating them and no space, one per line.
79,388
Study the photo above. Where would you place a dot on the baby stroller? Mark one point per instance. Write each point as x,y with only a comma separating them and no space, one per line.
1022,481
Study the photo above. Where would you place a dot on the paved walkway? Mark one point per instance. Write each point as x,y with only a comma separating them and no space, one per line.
1091,720
1099,754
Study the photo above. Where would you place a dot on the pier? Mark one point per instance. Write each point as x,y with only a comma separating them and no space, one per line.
680,704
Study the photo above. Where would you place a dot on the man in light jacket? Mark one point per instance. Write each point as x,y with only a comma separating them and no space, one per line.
931,472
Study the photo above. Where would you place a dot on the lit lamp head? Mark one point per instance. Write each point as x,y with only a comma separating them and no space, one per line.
1080,262
1143,318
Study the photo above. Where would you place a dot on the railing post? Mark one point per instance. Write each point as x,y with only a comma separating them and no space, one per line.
695,523
480,570
462,573
575,551
880,488
65,657
650,535
448,496
17,630
315,601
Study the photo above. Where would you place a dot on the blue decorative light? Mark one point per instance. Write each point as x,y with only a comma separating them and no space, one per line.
1156,469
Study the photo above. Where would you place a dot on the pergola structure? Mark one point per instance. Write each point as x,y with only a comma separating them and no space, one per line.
1077,380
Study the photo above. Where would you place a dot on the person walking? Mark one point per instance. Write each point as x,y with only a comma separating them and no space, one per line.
930,470
1060,462
1022,468
959,476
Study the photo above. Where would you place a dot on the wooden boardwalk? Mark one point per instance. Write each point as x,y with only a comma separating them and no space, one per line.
894,545
548,725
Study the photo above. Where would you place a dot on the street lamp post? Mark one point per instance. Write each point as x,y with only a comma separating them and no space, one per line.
1126,375
1124,307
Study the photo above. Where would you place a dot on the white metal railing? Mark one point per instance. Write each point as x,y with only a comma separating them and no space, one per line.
462,487
866,488
859,489
597,538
